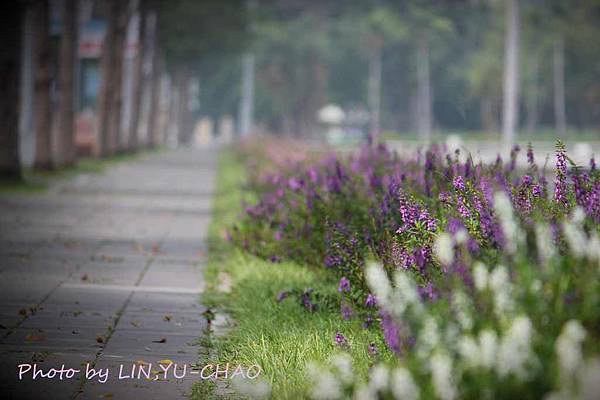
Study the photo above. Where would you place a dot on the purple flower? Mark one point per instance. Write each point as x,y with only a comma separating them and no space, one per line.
391,333
294,183
282,295
305,300
371,301
347,311
444,197
344,285
560,182
463,210
372,350
530,158
458,183
340,339
428,292
592,164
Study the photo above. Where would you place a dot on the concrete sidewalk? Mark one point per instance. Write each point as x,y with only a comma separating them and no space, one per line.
105,271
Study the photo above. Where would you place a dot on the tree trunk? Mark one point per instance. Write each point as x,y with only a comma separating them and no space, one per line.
107,67
42,81
66,89
374,88
560,113
183,134
10,69
138,75
155,114
116,113
247,99
510,112
424,114
26,129
532,98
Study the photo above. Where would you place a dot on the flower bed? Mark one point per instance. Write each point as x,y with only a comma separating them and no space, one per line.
485,281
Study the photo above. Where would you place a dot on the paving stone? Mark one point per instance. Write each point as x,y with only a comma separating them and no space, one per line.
116,256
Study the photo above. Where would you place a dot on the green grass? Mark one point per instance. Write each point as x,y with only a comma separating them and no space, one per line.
280,337
37,181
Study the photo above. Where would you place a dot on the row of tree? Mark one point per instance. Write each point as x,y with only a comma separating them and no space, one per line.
174,37
424,65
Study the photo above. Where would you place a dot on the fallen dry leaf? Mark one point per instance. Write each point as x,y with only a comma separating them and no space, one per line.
167,318
34,337
99,339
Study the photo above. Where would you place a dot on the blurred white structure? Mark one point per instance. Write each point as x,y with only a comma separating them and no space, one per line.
331,115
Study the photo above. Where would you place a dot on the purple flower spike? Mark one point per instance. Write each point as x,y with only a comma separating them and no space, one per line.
344,285
347,311
282,295
459,183
340,339
530,158
391,333
371,301
372,350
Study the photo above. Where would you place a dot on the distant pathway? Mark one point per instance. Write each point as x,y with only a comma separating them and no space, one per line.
105,270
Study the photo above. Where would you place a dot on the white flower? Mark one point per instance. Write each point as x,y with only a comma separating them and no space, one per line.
444,248
536,286
593,248
343,364
545,246
254,389
364,392
403,386
325,384
590,380
469,351
379,283
575,238
504,211
429,337
406,287
578,215
502,289
379,378
568,347
515,349
461,236
488,345
441,375
480,276
462,309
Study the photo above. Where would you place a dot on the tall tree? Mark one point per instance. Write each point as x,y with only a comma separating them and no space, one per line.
155,115
192,34
110,97
115,117
424,100
247,99
138,77
560,112
10,54
65,154
107,65
510,110
42,82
